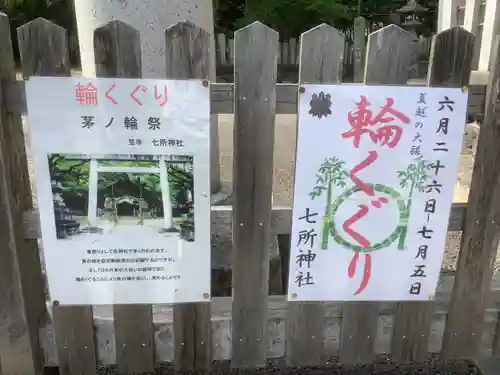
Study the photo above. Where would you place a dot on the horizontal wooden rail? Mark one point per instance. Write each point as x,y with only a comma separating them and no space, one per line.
281,219
223,98
278,309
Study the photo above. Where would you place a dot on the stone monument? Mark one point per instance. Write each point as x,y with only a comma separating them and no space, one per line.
150,17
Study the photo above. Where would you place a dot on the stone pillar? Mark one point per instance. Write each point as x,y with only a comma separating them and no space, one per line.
447,14
359,48
490,30
150,17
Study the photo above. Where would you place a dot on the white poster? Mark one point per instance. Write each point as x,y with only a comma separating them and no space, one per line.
375,172
122,182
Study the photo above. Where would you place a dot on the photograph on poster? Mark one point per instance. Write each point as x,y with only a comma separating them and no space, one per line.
94,196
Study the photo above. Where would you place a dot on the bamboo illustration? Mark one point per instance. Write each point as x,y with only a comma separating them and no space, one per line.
330,174
413,177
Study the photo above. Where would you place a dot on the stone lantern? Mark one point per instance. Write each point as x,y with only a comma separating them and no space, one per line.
412,15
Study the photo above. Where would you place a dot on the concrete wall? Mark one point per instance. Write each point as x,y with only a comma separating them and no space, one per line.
150,17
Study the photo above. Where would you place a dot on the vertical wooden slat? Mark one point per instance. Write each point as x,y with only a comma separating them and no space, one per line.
221,42
44,51
293,51
320,62
413,319
117,51
230,50
187,54
388,57
255,73
359,48
285,52
75,342
462,335
21,284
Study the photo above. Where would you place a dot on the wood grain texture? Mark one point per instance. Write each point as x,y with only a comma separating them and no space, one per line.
320,62
117,51
72,325
118,55
413,319
187,55
43,47
388,58
22,308
451,69
278,309
75,344
480,237
134,337
387,48
255,70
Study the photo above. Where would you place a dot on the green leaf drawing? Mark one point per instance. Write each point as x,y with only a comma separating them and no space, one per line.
331,173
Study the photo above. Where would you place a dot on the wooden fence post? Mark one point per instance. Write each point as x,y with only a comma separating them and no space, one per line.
117,51
255,72
387,60
413,319
187,55
21,283
43,47
480,239
359,48
320,62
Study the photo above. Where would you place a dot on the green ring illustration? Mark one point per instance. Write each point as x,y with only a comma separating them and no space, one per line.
403,219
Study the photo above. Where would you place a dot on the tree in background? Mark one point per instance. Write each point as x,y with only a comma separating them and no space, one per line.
293,17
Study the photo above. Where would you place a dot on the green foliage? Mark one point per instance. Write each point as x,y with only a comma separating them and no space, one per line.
73,176
332,172
22,11
292,17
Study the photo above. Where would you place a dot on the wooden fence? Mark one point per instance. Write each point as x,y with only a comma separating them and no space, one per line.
289,52
251,326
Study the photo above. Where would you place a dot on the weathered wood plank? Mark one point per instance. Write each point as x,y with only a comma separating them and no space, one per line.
278,311
22,308
222,49
388,57
256,49
320,62
187,54
223,99
117,50
359,48
413,320
480,237
75,346
39,37
36,38
134,337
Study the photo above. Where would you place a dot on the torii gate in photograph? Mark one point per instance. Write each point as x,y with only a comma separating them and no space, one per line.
96,167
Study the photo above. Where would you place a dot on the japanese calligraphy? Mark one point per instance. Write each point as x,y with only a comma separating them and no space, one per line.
120,163
305,245
375,171
86,94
